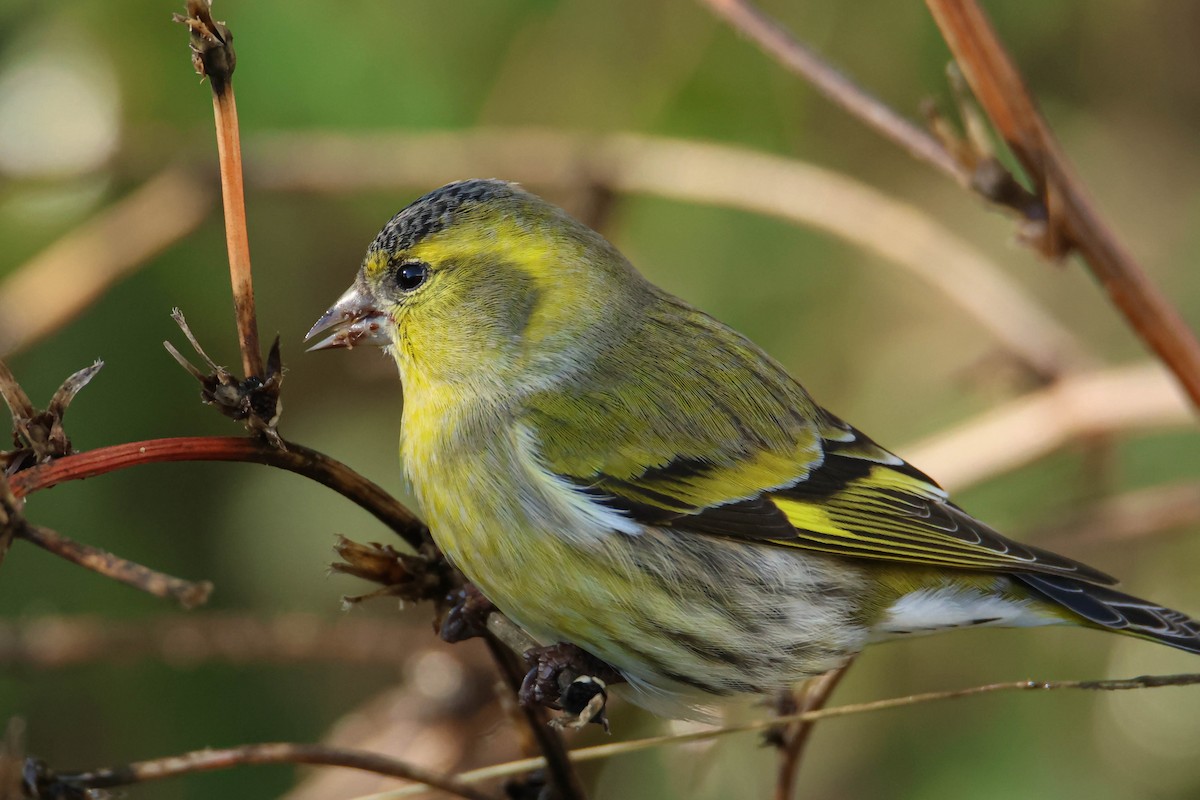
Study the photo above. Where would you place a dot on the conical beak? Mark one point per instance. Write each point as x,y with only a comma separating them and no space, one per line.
353,320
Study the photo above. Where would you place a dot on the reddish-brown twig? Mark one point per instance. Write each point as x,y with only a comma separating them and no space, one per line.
46,782
1073,222
301,460
1064,219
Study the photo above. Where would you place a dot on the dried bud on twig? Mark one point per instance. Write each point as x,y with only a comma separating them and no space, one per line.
422,576
39,435
211,43
254,400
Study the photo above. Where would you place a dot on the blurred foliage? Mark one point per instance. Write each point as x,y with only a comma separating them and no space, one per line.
97,96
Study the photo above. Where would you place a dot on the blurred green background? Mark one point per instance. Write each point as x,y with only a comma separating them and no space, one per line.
97,97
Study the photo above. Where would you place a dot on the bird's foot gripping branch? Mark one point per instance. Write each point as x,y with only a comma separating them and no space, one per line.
565,677
562,676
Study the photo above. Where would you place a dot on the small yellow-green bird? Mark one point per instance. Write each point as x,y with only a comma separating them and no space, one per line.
615,469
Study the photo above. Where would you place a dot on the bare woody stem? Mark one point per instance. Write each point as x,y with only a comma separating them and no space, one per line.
997,84
188,594
233,198
1072,223
298,459
267,753
795,737
214,58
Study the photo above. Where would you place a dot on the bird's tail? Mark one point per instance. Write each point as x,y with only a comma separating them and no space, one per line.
1114,611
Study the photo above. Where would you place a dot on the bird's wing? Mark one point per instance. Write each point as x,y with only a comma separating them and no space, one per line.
865,501
834,491
726,443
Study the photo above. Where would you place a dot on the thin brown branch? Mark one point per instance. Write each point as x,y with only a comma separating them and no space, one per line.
694,172
1073,221
1139,397
294,458
251,754
638,745
775,40
188,594
233,194
214,58
794,737
57,642
81,265
41,439
297,458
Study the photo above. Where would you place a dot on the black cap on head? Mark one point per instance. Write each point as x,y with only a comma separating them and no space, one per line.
436,210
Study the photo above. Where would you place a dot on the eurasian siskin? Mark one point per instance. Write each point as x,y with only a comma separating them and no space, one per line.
615,469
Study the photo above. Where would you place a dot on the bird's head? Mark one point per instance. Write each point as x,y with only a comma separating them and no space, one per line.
480,281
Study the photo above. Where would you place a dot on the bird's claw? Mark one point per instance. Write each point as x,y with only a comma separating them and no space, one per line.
466,616
565,677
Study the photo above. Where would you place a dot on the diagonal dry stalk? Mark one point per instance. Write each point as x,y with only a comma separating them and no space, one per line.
40,439
1073,223
1064,219
188,594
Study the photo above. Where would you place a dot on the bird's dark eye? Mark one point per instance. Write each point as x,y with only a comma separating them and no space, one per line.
411,274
